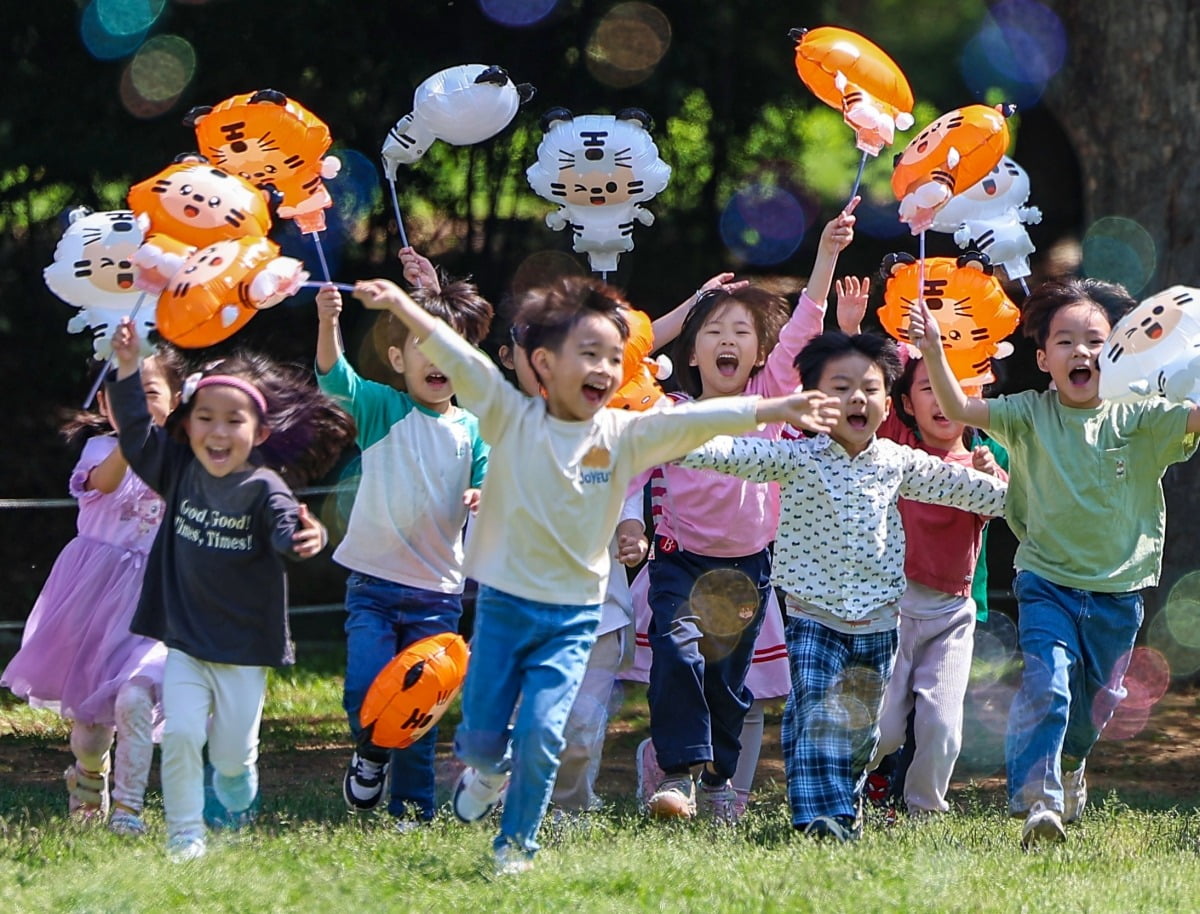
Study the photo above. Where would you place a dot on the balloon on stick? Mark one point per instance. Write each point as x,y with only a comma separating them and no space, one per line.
973,312
599,169
461,106
1155,350
639,388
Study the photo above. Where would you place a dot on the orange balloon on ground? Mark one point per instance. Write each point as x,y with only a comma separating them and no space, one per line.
413,691
270,139
852,75
972,310
953,153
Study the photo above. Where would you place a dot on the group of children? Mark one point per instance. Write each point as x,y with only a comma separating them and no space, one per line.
827,474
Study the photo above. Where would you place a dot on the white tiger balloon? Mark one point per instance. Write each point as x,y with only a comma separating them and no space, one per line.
1155,349
93,271
599,169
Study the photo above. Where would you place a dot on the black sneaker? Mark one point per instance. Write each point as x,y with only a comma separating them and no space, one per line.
364,782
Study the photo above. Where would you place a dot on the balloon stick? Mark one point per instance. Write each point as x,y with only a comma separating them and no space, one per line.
1024,286
340,286
862,163
399,219
921,270
108,365
321,255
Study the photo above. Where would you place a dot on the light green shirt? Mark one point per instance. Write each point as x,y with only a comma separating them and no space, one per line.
1085,495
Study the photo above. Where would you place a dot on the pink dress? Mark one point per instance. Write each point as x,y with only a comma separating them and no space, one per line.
77,650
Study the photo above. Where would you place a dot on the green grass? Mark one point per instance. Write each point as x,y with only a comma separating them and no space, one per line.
306,853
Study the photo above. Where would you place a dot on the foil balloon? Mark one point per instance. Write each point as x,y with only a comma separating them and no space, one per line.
850,74
93,271
973,312
271,141
413,691
954,152
221,286
599,169
639,388
991,216
461,106
1155,349
196,204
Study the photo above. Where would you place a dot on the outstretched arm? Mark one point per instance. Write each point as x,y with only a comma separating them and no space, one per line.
419,271
385,295
835,238
958,407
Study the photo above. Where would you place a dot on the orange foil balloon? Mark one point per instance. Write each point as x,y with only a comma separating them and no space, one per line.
849,73
968,301
413,691
197,204
220,287
270,139
639,388
957,150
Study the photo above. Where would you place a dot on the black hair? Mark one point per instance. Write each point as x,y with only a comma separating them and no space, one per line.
1051,297
458,303
833,344
903,388
768,311
547,314
84,423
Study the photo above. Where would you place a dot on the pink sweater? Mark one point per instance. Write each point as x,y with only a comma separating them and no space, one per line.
713,514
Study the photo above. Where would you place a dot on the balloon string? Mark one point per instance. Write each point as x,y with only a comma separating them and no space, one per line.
108,364
321,255
862,163
921,271
399,219
315,284
1024,286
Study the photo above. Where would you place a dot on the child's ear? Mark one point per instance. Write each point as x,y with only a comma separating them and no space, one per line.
396,359
540,360
1041,360
506,358
908,404
261,434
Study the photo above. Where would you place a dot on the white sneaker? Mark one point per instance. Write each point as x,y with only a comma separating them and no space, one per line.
1043,824
126,822
720,803
364,783
512,861
1074,793
476,794
185,848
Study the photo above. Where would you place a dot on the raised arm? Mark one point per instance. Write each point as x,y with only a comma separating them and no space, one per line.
852,297
668,327
835,238
385,295
958,407
329,339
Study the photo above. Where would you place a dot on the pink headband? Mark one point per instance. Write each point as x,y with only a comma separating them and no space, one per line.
195,383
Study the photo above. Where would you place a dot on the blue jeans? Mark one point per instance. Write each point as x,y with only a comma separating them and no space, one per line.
535,652
698,696
1076,645
382,619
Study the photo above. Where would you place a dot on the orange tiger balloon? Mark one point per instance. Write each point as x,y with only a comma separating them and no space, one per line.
968,301
953,153
639,388
850,74
197,204
413,691
270,139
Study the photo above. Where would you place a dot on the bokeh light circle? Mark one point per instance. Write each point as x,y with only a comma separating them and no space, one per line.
517,13
724,601
763,224
1021,45
879,220
157,75
100,42
128,17
1119,250
544,267
627,44
1146,679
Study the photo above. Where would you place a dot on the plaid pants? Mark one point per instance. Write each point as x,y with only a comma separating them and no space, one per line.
831,720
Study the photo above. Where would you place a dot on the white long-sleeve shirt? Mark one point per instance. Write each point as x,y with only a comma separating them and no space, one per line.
840,549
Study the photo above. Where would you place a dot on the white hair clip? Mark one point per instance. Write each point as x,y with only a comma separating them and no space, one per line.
189,386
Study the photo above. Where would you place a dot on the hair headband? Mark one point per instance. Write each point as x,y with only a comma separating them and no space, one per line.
197,381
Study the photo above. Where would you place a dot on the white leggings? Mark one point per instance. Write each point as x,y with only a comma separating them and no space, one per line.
134,712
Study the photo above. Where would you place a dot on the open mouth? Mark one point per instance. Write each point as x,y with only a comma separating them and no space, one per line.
594,394
988,185
218,455
857,422
1079,377
191,211
596,201
727,364
124,280
1154,331
435,379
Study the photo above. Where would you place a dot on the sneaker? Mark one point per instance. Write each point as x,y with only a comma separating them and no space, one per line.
476,794
842,829
126,822
878,789
1043,824
741,802
719,803
408,826
216,815
674,799
185,848
87,793
649,775
1074,793
512,861
362,787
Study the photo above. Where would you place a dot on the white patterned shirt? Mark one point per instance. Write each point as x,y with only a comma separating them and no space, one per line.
840,549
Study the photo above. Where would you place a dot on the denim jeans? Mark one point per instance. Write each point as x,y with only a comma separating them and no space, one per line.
382,619
698,695
1076,645
535,653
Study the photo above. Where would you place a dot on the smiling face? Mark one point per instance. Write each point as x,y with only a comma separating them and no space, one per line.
858,383
726,351
936,430
1073,343
584,373
428,386
223,428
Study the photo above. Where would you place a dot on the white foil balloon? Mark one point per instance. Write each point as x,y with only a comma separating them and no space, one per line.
1155,349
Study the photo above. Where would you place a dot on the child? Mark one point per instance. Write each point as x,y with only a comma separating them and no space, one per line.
937,612
1087,509
215,591
839,558
77,654
559,469
422,464
708,523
